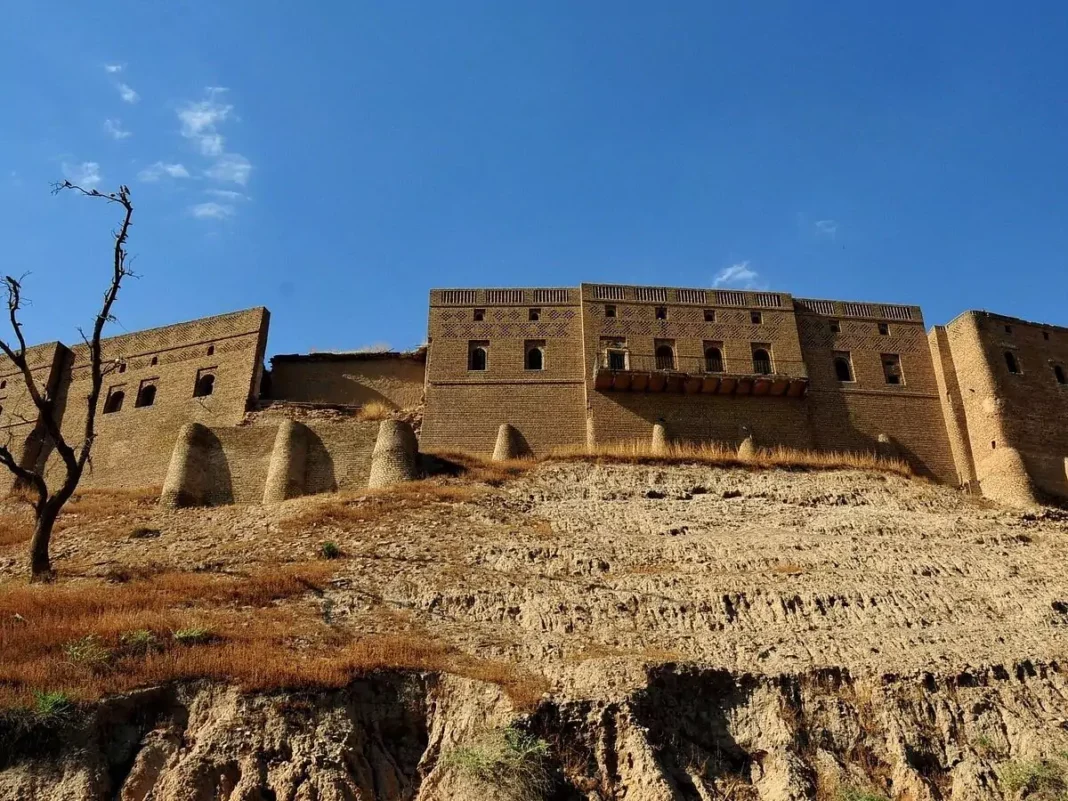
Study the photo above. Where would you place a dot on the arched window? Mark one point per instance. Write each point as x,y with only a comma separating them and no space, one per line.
1058,372
477,358
114,402
3,384
665,358
761,362
205,386
155,360
146,396
842,369
535,358
713,360
211,350
1011,363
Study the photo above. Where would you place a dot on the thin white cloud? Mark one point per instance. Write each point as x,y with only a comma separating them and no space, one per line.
200,120
230,168
159,169
212,211
828,228
739,274
226,194
113,68
115,130
86,174
127,94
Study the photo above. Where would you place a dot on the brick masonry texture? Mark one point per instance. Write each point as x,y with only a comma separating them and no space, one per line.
537,359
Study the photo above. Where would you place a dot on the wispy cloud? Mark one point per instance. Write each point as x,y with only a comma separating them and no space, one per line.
115,130
739,275
113,68
230,168
200,121
828,228
127,93
226,194
212,211
159,169
86,174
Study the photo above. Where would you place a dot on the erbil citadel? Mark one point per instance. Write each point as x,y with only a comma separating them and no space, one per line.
978,403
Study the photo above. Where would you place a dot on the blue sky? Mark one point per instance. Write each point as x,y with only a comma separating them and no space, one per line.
335,160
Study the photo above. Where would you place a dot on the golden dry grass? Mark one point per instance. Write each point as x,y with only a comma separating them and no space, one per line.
245,633
373,411
87,507
720,455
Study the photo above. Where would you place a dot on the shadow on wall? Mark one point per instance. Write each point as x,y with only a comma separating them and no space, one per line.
319,475
218,487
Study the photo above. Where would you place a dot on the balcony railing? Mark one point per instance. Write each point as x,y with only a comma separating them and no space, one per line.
633,372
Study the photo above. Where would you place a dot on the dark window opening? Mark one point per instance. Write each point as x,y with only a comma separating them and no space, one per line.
761,362
114,402
534,315
155,361
661,312
609,311
884,329
617,360
211,350
477,356
993,444
1045,334
1008,329
713,360
480,315
665,358
710,315
892,368
146,396
843,370
122,367
756,317
205,386
1058,372
836,327
1011,363
535,355
3,384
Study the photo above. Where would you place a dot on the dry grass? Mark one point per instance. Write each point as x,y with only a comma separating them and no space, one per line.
720,455
370,506
252,631
374,411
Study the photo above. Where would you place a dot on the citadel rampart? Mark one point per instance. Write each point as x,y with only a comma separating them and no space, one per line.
978,403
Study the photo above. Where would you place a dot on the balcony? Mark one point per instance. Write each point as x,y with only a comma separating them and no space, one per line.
619,371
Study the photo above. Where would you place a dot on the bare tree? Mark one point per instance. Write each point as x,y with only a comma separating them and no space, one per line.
47,502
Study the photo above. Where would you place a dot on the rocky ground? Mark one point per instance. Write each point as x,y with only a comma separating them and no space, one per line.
695,633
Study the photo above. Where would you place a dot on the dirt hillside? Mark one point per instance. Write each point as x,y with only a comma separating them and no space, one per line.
623,631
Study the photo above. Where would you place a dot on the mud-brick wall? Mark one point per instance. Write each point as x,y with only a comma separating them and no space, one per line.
237,464
395,379
339,455
134,444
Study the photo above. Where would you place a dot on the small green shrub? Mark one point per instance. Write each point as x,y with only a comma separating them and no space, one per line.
507,759
853,793
330,550
88,652
51,705
193,636
1044,779
140,642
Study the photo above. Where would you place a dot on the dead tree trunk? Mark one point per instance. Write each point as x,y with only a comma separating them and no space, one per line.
47,503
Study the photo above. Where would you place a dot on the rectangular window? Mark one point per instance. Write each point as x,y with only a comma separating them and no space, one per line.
615,354
756,318
478,354
836,327
146,393
609,310
534,354
534,315
480,315
843,366
1008,329
884,329
710,315
617,359
892,368
661,312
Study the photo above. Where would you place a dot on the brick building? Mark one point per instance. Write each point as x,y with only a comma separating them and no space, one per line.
979,402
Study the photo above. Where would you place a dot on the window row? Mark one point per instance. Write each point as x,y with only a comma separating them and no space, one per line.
120,363
1013,364
891,362
146,392
478,354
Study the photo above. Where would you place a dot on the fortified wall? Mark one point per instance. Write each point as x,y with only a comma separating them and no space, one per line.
978,403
